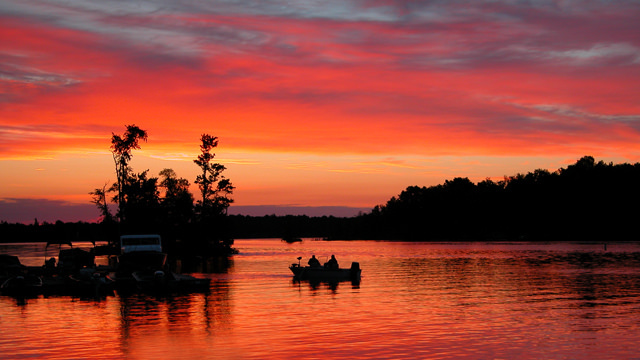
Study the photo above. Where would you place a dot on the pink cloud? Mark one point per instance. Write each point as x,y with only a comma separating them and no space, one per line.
404,78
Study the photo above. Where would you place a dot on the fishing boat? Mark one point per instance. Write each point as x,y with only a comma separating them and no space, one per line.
325,273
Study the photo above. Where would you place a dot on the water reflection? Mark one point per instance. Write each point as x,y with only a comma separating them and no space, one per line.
208,309
581,291
167,325
202,265
315,285
415,301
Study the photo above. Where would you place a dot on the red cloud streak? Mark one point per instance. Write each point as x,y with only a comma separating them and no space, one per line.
488,80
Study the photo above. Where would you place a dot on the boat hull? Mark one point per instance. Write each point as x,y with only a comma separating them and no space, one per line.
141,260
22,285
325,274
160,281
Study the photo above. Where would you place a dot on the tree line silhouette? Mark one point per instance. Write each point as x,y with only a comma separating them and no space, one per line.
588,200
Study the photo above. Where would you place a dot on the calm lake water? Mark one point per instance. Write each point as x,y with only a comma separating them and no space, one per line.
415,301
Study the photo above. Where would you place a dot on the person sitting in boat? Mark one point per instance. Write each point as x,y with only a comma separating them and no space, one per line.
50,264
332,263
313,262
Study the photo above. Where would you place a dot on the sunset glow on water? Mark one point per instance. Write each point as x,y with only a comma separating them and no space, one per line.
415,300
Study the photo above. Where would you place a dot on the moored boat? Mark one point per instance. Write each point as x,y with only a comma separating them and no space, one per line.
160,281
75,259
140,252
10,266
142,267
89,282
22,285
153,280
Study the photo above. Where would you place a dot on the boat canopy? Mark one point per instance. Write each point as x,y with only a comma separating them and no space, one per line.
59,242
131,243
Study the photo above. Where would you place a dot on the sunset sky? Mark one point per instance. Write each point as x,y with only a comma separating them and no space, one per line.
340,103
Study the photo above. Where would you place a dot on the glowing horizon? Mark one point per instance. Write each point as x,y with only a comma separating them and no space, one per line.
333,103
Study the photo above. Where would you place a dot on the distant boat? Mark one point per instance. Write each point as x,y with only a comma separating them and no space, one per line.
291,239
323,273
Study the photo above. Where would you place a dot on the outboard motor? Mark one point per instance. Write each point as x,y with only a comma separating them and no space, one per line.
158,277
355,271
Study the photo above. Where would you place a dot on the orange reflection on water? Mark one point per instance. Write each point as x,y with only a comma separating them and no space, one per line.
56,327
414,301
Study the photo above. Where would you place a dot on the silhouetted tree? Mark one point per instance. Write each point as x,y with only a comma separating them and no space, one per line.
211,221
140,210
177,203
99,198
121,147
215,189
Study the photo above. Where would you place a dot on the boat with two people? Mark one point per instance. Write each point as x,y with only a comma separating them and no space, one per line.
329,271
